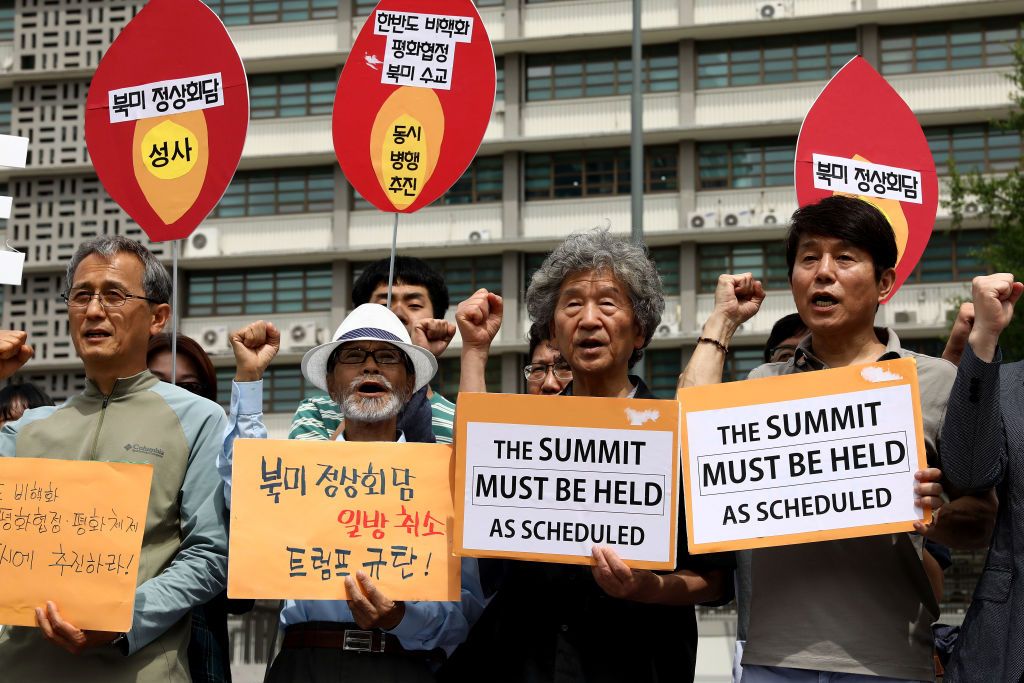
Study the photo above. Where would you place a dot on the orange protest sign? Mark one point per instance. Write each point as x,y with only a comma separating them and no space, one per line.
307,514
812,456
71,532
546,478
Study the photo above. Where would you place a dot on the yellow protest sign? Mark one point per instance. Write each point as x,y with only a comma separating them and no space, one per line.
812,456
546,478
307,514
71,532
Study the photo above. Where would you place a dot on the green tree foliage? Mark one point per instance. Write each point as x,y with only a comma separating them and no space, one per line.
1000,199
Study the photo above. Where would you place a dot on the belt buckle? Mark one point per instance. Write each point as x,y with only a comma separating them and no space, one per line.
359,641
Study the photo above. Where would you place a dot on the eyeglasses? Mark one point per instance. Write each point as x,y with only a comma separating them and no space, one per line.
109,298
536,372
354,356
781,354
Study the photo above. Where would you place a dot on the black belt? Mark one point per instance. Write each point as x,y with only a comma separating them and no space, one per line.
351,638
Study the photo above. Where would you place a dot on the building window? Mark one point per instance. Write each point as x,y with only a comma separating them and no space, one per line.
480,183
258,291
929,346
766,260
446,381
271,193
773,59
975,148
740,361
465,275
5,112
531,264
745,163
949,46
598,172
6,23
499,79
284,388
297,93
661,371
362,8
666,260
599,73
953,257
241,12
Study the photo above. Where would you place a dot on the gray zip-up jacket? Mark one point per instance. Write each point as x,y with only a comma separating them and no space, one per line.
184,548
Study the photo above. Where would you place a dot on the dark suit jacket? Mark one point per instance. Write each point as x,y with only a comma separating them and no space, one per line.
983,447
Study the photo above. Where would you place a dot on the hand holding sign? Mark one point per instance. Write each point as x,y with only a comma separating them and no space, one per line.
370,607
255,345
928,495
14,352
69,636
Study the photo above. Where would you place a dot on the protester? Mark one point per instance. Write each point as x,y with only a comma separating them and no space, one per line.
600,297
15,399
209,648
983,447
370,370
859,607
117,295
420,300
785,335
546,373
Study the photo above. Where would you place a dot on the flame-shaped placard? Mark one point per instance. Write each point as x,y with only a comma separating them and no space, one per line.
413,101
167,115
860,139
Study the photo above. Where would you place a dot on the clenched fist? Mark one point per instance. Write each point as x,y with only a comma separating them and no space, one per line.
433,334
14,352
994,297
479,319
255,345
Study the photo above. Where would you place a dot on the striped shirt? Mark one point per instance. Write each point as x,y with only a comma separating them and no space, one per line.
318,417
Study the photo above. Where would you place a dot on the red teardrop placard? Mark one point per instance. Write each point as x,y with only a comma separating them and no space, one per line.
166,116
861,139
413,101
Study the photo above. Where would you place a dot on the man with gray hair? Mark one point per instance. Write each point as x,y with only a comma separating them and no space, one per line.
117,295
600,297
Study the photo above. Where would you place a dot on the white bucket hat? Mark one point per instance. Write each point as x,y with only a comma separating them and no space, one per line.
370,322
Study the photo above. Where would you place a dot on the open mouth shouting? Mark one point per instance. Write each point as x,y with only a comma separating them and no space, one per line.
590,345
96,336
823,301
374,387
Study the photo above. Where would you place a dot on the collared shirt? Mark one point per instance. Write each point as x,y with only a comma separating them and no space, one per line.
859,605
317,417
426,625
183,562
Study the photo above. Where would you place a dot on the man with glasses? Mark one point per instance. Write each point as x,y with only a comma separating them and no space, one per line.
548,373
117,295
370,370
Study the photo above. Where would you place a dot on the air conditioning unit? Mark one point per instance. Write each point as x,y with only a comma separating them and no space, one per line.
702,219
299,337
774,10
479,235
733,219
905,317
203,242
668,326
972,209
768,217
214,339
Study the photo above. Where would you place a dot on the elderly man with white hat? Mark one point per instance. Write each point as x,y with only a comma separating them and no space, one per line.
370,369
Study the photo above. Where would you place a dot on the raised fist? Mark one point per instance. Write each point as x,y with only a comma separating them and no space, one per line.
433,334
14,352
479,319
255,345
738,297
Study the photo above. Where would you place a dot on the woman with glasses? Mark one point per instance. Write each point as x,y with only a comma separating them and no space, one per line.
209,651
547,373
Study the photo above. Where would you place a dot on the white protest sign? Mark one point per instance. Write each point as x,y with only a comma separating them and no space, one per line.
534,489
831,455
421,47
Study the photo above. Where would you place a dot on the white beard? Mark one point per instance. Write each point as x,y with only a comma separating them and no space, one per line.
370,410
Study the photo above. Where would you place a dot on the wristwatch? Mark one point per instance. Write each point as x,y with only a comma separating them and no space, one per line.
120,643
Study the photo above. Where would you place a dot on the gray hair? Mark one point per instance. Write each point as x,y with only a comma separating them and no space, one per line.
156,283
600,251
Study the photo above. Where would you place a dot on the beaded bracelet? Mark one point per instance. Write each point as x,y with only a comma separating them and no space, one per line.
708,340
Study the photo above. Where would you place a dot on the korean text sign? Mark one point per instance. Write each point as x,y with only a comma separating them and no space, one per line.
547,478
806,457
305,515
71,532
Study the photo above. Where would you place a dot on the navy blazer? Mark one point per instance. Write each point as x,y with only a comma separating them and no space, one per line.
983,447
